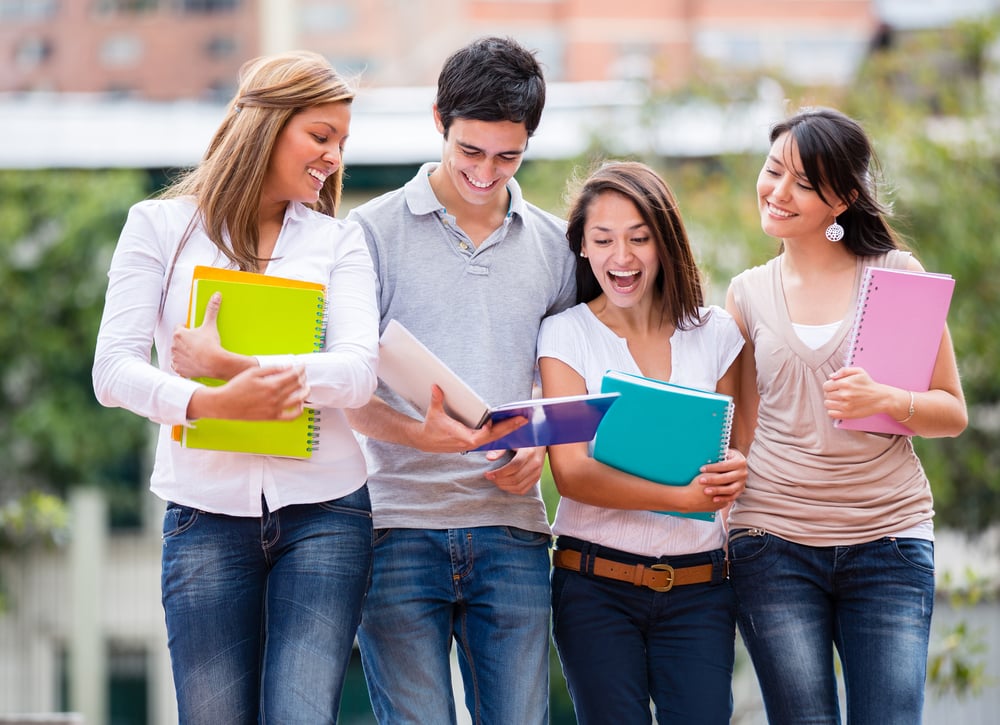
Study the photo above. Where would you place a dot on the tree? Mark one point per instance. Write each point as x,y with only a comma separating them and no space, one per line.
57,232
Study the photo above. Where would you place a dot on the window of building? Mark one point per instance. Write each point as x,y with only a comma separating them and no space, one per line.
32,52
326,16
124,7
206,6
121,51
27,9
221,46
128,683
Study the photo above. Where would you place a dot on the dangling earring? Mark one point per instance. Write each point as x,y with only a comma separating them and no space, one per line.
835,232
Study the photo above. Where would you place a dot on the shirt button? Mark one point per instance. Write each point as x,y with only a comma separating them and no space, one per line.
463,245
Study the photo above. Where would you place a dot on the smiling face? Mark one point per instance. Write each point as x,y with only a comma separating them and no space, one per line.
621,250
307,151
790,208
478,159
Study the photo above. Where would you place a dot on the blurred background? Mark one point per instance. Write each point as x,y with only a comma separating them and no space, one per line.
103,101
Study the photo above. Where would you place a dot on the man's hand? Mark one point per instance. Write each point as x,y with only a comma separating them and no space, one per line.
440,433
521,473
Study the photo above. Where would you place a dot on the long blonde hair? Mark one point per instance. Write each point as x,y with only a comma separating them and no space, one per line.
227,184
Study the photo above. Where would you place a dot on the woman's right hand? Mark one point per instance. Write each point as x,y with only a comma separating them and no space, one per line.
254,394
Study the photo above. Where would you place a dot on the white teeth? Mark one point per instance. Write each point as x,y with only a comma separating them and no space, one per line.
778,212
478,184
318,175
617,273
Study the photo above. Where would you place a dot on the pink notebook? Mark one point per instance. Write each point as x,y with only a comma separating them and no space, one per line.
898,326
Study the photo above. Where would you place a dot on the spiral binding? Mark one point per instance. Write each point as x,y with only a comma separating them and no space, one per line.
319,340
312,439
727,429
322,317
859,314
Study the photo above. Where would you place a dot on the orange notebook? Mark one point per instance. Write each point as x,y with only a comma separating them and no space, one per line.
260,315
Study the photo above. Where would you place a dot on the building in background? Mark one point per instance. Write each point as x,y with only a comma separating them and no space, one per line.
191,49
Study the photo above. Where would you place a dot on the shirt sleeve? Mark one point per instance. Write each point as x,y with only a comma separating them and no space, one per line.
123,374
559,337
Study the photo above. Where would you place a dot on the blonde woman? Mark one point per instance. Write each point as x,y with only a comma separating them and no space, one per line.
266,560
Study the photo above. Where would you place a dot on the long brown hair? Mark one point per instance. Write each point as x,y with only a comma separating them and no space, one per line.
679,280
227,184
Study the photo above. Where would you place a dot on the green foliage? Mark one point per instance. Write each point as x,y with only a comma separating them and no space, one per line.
957,661
33,519
57,233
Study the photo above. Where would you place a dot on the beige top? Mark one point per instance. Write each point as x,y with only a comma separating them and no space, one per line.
810,482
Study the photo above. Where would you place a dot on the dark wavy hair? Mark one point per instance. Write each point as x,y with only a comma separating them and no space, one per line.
837,154
679,280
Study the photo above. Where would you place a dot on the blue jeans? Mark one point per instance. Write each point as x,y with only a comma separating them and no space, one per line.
621,645
486,588
872,601
262,612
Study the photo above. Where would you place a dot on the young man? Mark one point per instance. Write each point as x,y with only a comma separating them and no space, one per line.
462,541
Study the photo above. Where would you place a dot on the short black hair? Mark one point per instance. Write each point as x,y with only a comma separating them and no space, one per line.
491,79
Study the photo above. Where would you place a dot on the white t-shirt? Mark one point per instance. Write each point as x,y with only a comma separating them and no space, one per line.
699,358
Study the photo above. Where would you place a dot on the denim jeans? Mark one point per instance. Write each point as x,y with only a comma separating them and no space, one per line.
262,612
622,645
873,601
486,588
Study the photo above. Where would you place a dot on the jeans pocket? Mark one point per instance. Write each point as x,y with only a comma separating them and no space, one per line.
918,553
356,503
751,553
534,538
177,519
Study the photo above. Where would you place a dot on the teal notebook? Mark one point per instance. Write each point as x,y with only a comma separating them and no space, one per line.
259,317
662,431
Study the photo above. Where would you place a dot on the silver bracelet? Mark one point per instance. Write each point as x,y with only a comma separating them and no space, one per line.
910,412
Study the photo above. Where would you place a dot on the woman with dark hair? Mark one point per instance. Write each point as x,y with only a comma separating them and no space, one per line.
266,560
831,545
625,636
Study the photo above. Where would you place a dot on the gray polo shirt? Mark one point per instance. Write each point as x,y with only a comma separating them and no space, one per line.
479,310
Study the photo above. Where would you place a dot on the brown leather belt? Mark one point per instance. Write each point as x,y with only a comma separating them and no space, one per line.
658,577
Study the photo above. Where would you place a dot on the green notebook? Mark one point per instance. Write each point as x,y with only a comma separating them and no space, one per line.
662,431
259,317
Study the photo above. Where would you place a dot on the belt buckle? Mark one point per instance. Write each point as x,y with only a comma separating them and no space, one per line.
670,577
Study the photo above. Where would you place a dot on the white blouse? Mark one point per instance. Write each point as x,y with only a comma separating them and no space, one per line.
310,246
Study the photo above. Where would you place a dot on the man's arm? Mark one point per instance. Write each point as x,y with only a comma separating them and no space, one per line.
438,432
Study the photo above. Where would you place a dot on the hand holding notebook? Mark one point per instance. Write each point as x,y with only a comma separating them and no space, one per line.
259,315
899,322
408,367
663,432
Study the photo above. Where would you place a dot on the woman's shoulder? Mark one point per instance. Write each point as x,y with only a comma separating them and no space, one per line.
756,273
575,316
716,316
166,215
570,323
